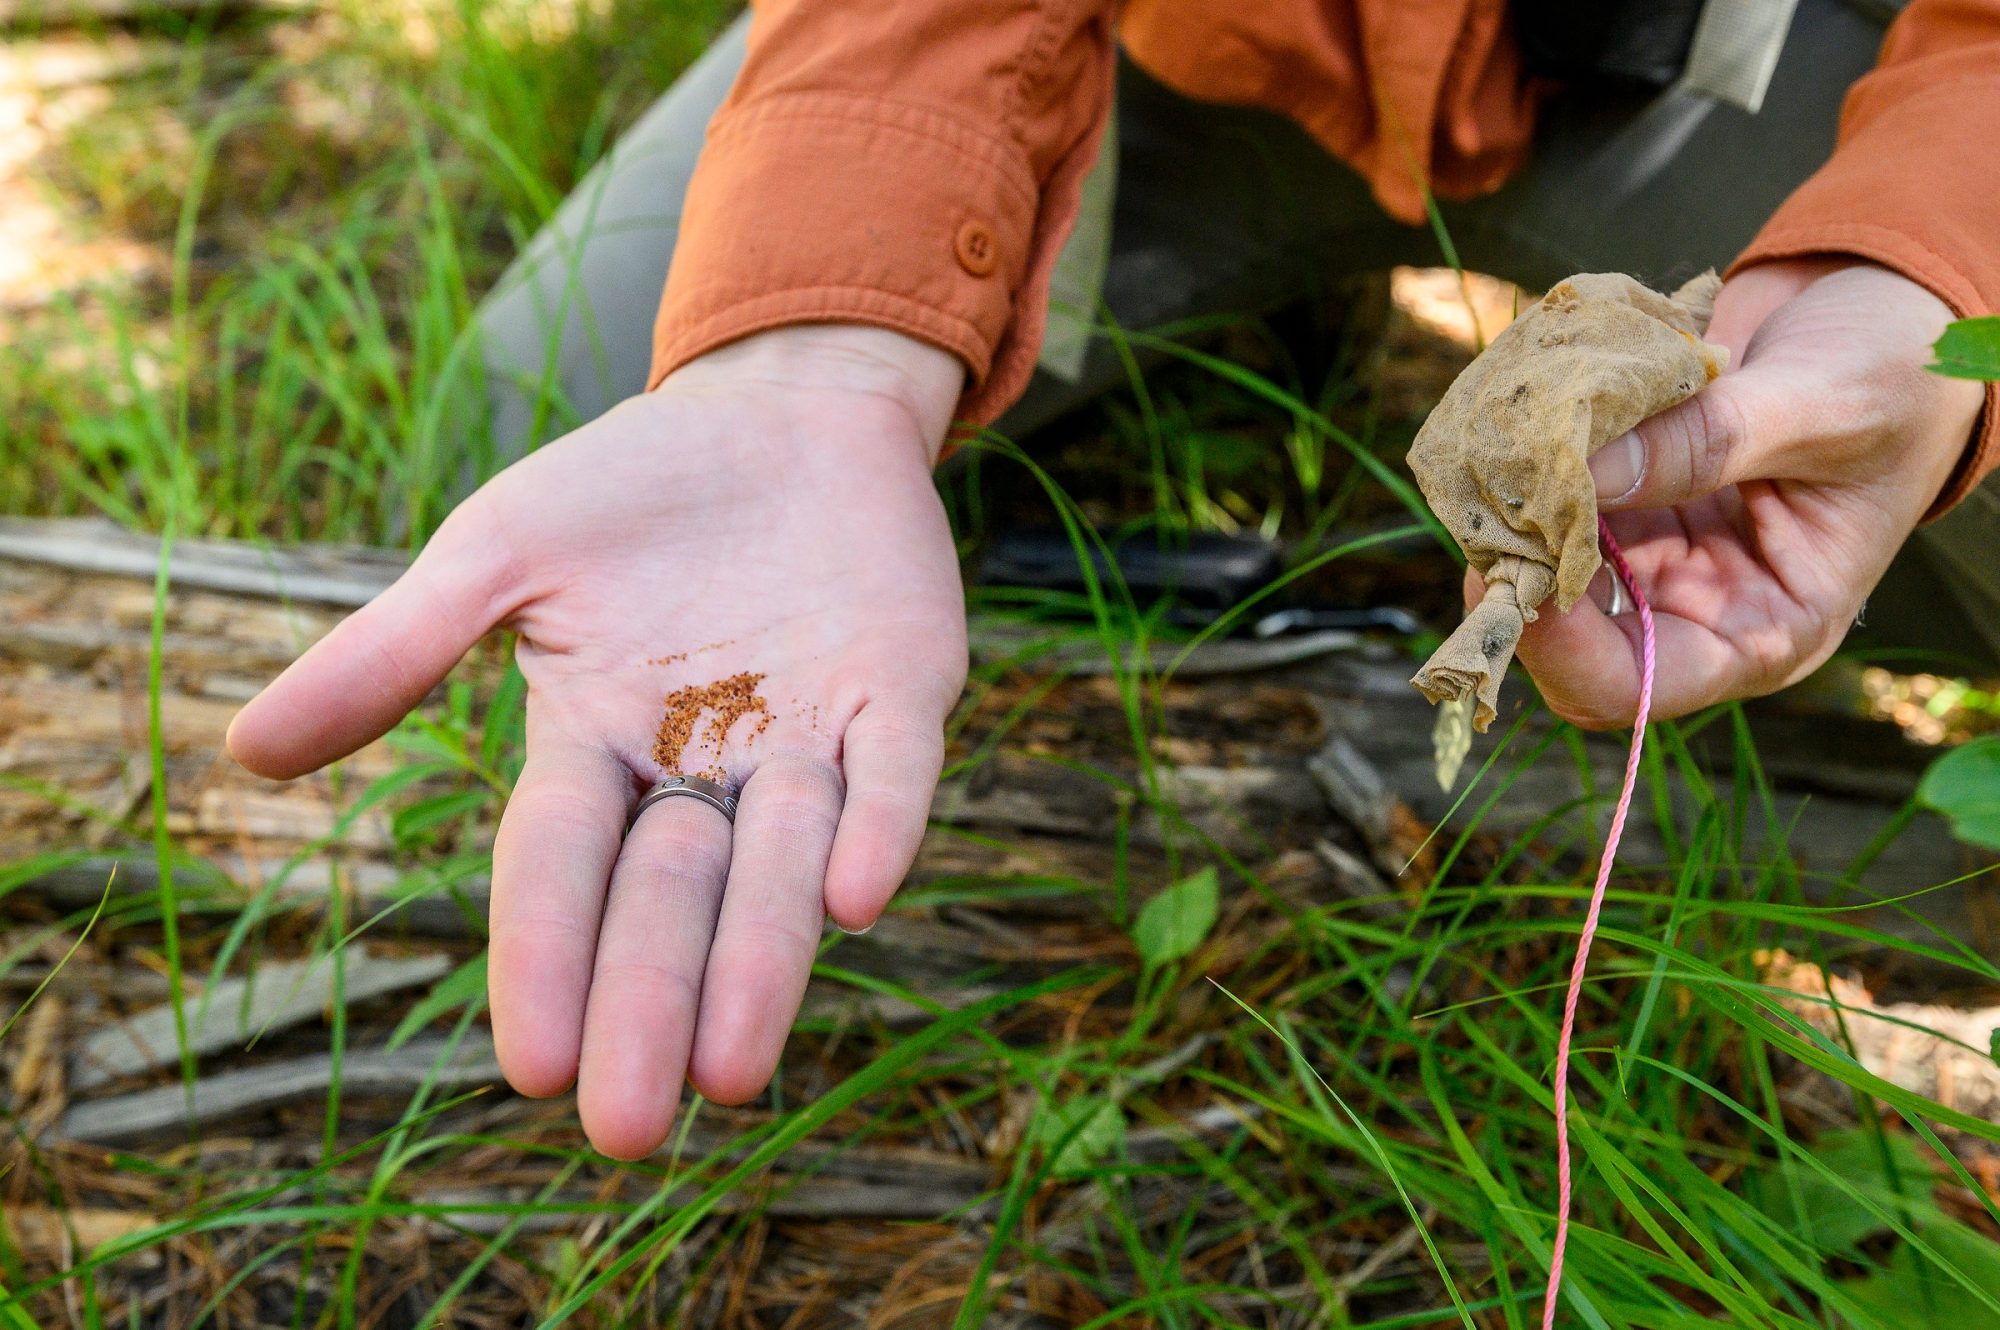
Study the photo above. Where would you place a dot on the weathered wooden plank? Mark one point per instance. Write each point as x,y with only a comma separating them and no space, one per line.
915,1196
404,1070
77,645
230,1093
838,1181
374,888
347,576
280,995
1838,780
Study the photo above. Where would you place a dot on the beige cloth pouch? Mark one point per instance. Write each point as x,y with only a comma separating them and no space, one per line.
1503,458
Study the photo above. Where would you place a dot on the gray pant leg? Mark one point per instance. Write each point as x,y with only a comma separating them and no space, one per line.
1942,594
567,331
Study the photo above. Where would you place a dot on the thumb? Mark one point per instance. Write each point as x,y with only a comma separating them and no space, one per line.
1735,429
377,664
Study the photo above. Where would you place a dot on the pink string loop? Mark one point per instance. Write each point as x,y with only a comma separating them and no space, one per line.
1611,839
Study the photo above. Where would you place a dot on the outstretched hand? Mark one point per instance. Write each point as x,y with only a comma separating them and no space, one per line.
767,512
1759,514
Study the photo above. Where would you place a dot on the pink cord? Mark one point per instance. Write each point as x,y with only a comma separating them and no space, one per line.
1611,839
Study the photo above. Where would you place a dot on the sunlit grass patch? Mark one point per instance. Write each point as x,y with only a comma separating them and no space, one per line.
317,203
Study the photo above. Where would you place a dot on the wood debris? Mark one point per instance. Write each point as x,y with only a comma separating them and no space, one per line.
1943,1053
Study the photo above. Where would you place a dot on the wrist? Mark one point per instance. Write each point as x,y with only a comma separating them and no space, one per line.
1945,413
921,381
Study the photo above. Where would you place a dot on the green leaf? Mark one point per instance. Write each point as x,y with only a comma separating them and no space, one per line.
413,824
465,984
1226,456
504,719
458,702
1175,921
1913,1290
1084,1130
1969,349
393,784
1964,785
1794,1193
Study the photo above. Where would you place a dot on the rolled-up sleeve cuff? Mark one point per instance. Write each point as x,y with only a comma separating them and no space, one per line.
836,208
1909,189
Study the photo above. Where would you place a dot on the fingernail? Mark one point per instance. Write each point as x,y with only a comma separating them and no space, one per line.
853,932
1618,467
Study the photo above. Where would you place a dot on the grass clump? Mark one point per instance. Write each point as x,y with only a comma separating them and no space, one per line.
317,204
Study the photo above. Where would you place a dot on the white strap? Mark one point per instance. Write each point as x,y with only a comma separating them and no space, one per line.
1736,48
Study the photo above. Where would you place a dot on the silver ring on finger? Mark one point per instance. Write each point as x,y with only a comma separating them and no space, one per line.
713,793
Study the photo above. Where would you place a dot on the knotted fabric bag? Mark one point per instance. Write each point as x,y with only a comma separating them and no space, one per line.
1503,458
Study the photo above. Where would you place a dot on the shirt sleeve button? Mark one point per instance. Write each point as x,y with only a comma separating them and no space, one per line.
978,252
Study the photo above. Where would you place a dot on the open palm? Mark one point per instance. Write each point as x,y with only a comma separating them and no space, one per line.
715,528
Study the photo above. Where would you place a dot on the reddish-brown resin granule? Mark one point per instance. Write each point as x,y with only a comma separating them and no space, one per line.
723,703
680,656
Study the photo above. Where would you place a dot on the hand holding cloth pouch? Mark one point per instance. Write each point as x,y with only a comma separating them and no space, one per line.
1503,459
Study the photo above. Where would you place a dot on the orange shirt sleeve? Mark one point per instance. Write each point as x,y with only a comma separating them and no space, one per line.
914,165
1913,183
